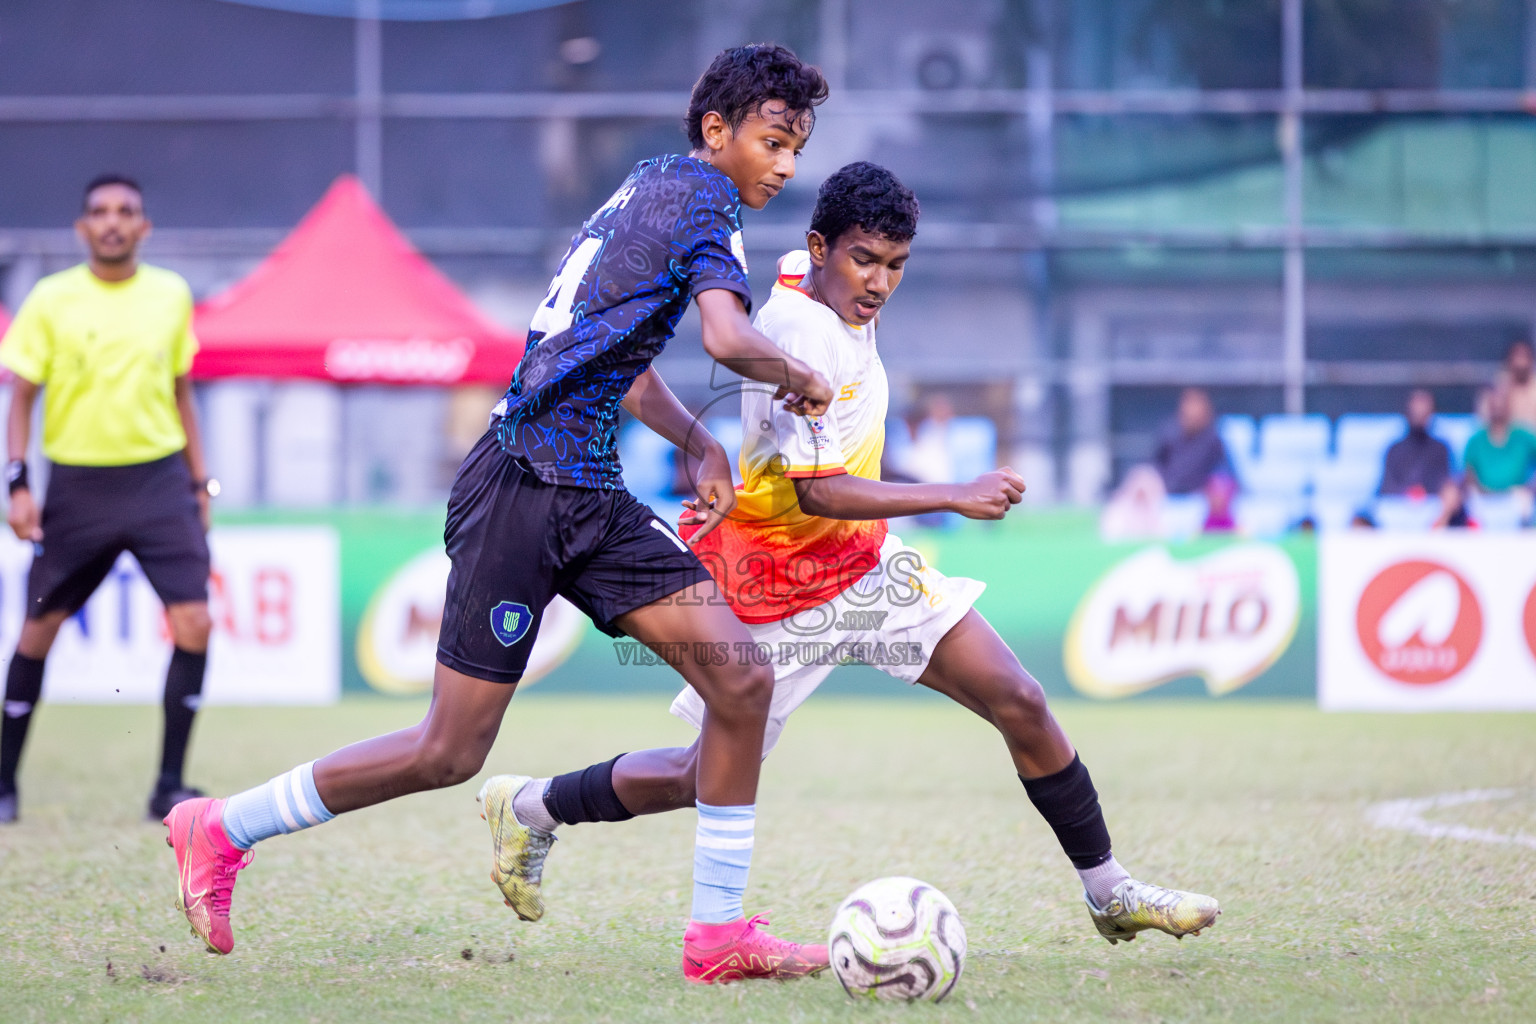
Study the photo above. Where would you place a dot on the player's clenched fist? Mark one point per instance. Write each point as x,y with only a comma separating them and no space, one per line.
23,516
990,495
813,398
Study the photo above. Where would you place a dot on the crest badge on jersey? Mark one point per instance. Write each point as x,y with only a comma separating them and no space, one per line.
510,622
739,250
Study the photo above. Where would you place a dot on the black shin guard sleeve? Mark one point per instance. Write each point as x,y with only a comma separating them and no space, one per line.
23,687
587,795
183,694
1070,805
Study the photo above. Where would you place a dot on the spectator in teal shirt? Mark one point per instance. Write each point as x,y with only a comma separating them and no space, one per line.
1502,456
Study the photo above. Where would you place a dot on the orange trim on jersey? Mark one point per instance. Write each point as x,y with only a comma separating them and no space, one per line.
811,472
795,282
767,577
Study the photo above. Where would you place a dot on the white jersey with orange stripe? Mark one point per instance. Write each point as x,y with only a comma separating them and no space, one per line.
770,557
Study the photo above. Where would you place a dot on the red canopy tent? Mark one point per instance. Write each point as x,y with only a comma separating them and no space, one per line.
346,298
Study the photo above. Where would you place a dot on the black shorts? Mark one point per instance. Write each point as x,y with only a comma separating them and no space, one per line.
516,541
92,514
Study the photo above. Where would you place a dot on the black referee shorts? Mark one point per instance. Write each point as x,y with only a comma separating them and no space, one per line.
92,514
516,541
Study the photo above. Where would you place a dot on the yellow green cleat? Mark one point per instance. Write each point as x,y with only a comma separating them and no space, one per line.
519,849
1138,906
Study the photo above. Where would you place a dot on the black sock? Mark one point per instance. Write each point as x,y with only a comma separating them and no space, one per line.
23,686
183,694
587,795
1070,805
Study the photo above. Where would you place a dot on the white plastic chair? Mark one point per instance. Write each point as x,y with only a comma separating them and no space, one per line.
1238,436
1393,512
647,460
972,446
1332,513
1349,478
1366,437
1497,512
1455,429
1261,516
1182,516
1283,436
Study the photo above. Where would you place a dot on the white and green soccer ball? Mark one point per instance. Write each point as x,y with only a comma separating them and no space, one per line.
897,938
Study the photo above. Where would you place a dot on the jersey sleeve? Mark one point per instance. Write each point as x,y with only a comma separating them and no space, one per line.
184,344
28,345
809,445
709,234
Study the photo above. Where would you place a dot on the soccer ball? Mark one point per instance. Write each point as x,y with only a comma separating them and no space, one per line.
897,938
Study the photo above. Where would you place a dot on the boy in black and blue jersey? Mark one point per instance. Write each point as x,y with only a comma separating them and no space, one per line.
539,508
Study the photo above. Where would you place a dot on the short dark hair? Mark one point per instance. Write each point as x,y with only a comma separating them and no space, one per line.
740,80
103,180
869,196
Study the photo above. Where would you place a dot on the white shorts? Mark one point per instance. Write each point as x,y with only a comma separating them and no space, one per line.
892,618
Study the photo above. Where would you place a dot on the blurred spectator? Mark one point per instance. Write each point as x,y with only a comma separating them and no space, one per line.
1518,380
1419,464
1190,451
1219,492
1134,511
929,458
1502,456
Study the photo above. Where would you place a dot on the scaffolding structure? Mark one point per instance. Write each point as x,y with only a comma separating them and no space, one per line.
1036,107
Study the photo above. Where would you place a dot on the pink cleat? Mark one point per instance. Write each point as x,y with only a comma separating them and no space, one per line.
715,954
207,862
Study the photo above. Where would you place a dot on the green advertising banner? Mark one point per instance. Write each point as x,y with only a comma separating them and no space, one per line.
1216,617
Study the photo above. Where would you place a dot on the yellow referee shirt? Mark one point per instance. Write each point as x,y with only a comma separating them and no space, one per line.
107,354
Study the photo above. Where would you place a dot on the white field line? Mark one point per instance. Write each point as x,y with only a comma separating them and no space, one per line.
1408,816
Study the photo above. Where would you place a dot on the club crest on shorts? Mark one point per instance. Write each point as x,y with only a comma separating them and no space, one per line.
510,622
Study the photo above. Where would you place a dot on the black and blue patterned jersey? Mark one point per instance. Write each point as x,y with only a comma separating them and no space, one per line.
672,230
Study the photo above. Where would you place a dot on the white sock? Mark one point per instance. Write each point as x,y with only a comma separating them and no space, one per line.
528,805
1100,880
285,804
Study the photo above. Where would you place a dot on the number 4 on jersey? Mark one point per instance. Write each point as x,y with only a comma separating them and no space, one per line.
554,313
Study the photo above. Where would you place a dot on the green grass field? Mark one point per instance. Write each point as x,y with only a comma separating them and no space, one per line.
388,914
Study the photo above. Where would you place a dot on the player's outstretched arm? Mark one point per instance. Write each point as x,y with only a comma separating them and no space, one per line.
846,496
731,340
709,465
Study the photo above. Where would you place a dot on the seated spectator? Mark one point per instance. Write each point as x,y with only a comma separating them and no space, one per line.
1220,490
1419,464
1516,378
1134,511
1190,451
1501,457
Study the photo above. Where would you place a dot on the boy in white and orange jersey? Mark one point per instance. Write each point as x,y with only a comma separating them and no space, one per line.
807,562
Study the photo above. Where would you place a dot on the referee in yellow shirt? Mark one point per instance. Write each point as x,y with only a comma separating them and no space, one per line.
110,344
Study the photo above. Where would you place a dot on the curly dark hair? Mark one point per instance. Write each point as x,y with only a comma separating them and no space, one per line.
743,78
869,196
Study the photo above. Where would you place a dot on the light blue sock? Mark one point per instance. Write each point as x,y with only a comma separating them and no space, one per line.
287,803
722,855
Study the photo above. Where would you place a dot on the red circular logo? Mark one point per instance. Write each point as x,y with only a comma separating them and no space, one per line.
1420,623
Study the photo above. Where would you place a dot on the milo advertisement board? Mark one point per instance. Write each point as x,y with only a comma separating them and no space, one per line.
1217,617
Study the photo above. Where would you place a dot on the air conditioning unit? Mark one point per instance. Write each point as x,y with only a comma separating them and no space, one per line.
940,61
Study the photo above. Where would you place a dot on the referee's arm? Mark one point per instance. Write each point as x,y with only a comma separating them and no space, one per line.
22,514
193,452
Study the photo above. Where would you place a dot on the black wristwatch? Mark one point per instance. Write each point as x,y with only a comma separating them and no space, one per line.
208,486
16,475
